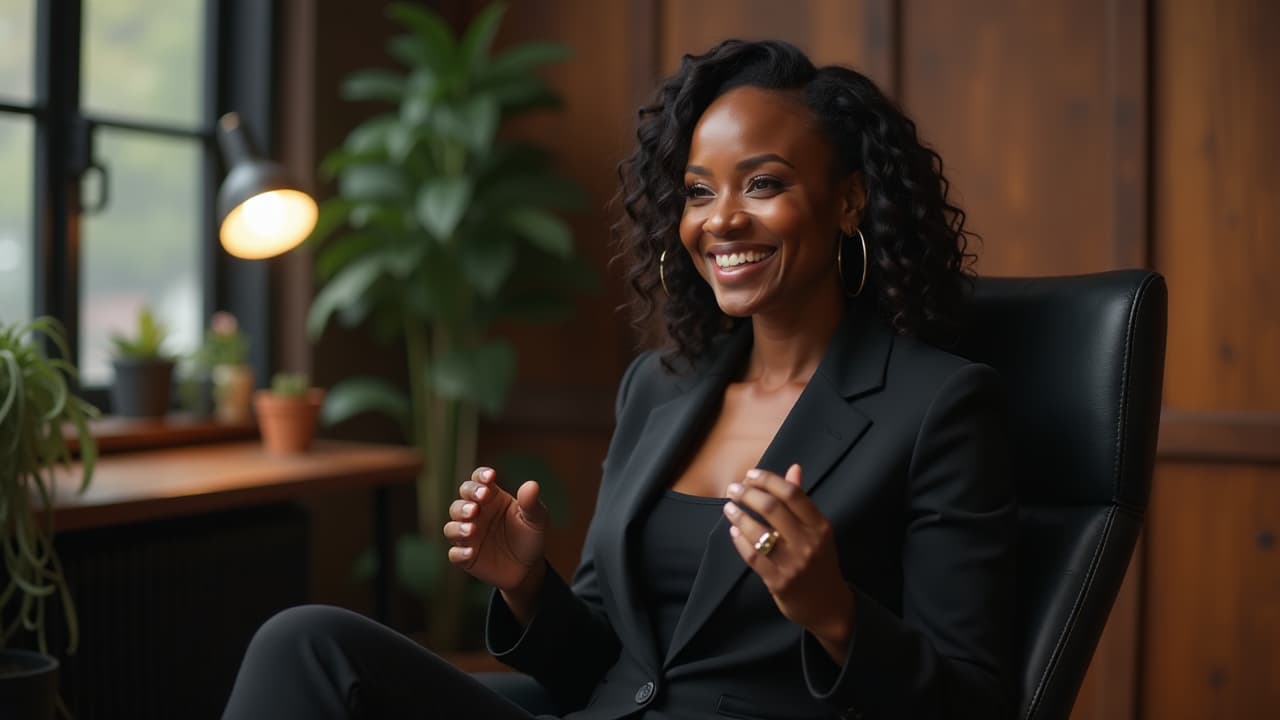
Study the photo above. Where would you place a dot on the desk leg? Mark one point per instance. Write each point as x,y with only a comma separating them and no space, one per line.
386,558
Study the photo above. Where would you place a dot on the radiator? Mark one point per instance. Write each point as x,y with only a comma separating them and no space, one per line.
167,608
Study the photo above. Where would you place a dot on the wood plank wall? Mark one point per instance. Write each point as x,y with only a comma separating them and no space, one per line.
1081,135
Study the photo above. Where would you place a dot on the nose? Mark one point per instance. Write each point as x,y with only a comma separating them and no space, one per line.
725,217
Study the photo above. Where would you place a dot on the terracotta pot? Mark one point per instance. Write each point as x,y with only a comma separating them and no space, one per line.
287,422
232,392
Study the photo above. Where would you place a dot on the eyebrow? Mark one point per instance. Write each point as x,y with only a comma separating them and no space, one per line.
746,164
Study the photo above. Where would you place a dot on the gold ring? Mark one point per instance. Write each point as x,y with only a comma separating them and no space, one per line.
765,544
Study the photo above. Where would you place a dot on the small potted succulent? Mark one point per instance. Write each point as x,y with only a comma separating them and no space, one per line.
35,404
224,359
287,413
143,371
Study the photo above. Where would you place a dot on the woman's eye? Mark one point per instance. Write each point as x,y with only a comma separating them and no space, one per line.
697,191
763,183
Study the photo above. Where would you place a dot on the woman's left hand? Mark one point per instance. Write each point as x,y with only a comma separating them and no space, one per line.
802,571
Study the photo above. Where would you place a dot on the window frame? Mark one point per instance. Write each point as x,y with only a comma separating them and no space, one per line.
239,74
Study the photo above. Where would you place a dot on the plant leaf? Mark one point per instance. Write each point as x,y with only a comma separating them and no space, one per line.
370,136
374,85
430,28
544,230
364,394
333,215
480,122
530,190
524,58
373,182
478,38
488,262
345,288
441,203
481,375
343,250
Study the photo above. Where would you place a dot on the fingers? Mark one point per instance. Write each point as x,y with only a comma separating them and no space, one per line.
532,510
786,492
480,486
463,557
746,528
772,510
459,532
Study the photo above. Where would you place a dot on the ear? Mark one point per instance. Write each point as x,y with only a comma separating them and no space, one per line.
853,201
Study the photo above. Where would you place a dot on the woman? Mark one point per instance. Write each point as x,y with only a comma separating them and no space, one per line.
805,510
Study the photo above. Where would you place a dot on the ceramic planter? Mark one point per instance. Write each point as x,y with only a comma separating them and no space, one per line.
287,423
232,393
141,387
28,685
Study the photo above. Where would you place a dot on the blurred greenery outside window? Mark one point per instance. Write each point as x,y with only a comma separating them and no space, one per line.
107,111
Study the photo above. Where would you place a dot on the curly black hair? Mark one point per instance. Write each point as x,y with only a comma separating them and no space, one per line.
918,274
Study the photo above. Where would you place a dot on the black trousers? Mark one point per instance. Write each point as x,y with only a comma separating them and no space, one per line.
318,662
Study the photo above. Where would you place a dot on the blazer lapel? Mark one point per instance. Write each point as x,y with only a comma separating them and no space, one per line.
820,428
667,435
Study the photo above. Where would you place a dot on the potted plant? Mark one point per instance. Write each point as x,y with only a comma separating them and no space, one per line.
35,404
287,413
440,229
143,372
223,357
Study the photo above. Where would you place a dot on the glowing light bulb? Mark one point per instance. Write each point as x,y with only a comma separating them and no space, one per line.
268,224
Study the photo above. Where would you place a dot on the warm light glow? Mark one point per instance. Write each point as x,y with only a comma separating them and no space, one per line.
268,224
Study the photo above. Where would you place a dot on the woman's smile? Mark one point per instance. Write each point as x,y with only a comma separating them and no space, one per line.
735,263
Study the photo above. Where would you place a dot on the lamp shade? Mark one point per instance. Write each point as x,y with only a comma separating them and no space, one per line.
261,211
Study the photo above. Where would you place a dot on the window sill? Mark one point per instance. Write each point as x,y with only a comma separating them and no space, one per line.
119,434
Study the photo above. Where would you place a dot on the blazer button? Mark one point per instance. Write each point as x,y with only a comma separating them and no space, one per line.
644,693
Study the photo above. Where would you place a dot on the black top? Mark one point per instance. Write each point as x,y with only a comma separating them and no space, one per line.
672,542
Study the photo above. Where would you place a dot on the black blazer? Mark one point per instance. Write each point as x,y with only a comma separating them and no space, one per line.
903,450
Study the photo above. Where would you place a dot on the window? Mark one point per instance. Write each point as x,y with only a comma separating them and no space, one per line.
107,116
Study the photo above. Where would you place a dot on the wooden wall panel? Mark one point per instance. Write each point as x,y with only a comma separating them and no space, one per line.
1212,620
1017,98
1216,112
856,33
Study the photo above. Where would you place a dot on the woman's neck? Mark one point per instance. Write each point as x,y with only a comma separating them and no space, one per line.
788,348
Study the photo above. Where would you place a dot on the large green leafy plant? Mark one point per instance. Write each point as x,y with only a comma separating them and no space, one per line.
35,404
439,230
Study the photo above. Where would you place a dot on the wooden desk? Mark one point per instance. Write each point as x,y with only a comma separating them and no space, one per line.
140,486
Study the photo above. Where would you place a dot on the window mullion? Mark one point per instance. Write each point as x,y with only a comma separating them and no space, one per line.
57,218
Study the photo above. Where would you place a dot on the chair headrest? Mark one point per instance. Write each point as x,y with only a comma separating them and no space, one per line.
1083,359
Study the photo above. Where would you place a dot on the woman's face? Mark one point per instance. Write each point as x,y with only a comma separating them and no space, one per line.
762,212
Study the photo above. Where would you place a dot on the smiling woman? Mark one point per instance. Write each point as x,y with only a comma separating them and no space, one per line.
805,509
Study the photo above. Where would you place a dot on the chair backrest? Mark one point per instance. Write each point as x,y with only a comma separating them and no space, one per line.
1083,360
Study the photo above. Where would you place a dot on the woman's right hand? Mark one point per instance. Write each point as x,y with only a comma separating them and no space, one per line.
497,538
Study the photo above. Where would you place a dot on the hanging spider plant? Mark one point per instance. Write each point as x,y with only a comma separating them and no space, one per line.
36,403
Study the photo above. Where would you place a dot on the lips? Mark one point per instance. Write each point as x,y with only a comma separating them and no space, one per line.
738,262
746,257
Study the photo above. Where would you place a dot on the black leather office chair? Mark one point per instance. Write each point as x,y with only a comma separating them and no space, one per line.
1083,360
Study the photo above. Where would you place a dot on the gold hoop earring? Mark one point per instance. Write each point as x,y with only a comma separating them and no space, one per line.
662,273
862,282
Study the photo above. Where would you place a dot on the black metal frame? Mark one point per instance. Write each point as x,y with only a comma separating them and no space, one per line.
238,64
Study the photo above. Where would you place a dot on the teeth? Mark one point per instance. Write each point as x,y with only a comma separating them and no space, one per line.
739,258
